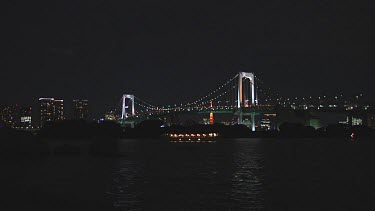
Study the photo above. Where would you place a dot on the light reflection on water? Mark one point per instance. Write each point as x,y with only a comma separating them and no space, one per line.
244,174
237,174
248,178
218,176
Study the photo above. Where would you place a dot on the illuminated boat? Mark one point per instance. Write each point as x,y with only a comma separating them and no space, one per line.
192,137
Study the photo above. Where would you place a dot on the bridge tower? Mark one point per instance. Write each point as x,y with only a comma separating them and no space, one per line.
125,106
252,98
240,91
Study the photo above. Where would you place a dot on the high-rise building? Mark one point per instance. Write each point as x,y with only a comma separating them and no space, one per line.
51,110
59,110
47,110
80,109
8,115
25,118
268,122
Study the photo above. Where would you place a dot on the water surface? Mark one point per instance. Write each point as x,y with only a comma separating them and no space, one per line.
237,174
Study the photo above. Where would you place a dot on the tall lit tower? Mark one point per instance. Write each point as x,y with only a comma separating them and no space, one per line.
47,110
246,96
212,120
240,98
126,99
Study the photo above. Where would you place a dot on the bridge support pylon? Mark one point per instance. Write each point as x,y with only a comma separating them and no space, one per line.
240,98
244,121
125,106
252,121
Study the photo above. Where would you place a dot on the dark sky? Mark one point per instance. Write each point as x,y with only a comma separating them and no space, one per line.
173,52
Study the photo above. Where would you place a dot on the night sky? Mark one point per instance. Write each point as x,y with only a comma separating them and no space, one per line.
172,52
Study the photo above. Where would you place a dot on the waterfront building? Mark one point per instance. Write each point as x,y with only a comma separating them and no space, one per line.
46,110
59,110
51,110
8,115
15,116
25,118
80,109
268,122
111,116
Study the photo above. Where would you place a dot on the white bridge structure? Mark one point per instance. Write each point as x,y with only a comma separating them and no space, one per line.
237,95
125,106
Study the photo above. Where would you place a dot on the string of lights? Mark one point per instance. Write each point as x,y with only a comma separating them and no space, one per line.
195,102
146,103
226,92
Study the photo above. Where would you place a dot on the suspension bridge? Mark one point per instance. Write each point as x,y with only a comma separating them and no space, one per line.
237,96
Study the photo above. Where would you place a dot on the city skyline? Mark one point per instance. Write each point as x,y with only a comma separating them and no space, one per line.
338,98
55,110
99,52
